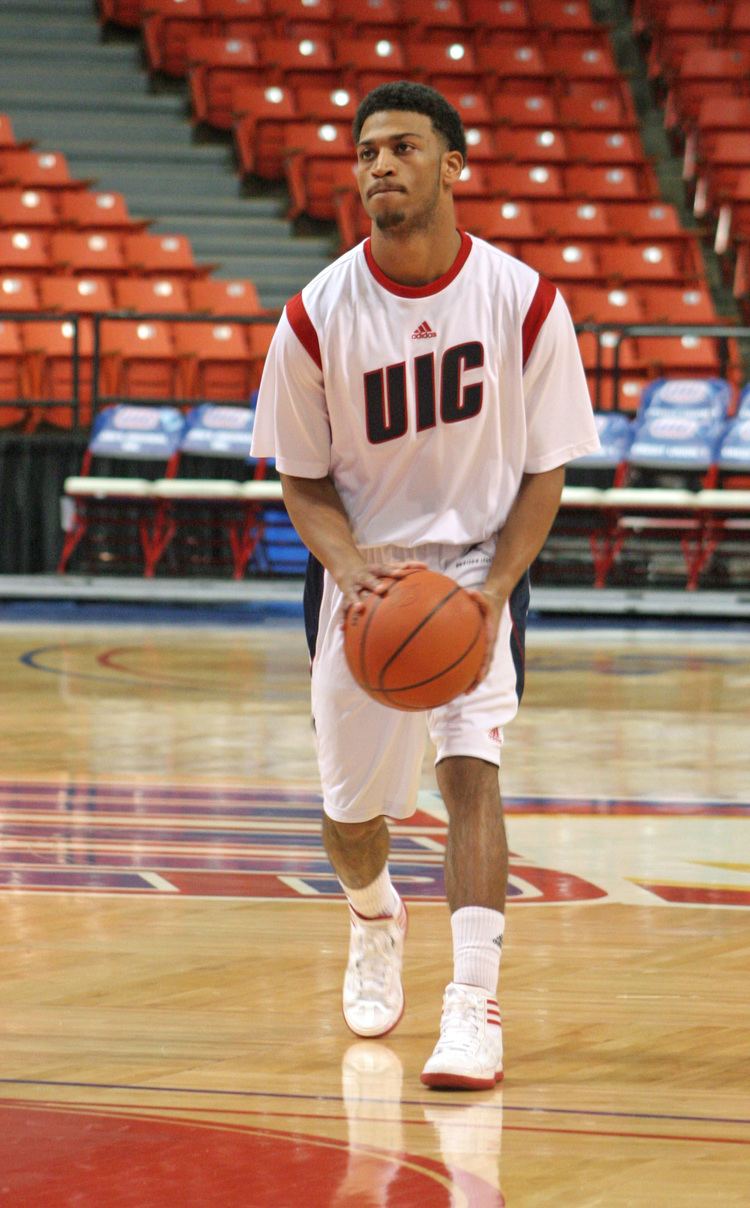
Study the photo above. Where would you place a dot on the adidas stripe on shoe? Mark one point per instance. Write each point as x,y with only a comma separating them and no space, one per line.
469,1052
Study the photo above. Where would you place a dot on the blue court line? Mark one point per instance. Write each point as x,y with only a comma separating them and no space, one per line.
502,1107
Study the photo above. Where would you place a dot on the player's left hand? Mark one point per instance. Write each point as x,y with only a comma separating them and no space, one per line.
491,607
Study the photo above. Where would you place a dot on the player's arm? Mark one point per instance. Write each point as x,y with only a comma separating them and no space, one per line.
519,541
317,513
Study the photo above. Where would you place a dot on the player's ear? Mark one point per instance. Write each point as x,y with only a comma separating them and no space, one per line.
453,163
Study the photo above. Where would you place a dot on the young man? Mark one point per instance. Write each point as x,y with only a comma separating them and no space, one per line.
421,398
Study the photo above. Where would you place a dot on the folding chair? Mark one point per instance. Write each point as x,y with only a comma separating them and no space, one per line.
148,438
226,510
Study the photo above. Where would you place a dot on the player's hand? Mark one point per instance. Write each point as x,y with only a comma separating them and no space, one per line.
491,607
373,578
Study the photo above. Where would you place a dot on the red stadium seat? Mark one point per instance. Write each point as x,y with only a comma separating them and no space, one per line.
218,66
8,139
509,221
18,293
11,384
262,111
707,71
238,18
259,336
526,181
370,60
644,220
215,362
591,112
295,16
90,252
138,360
167,29
497,15
37,170
563,262
516,109
511,61
24,251
162,255
152,295
473,183
98,211
76,295
605,305
316,102
572,16
604,182
239,297
678,304
49,348
444,62
126,13
636,262
571,61
22,208
424,17
298,61
604,147
380,17
481,144
572,220
532,146
314,182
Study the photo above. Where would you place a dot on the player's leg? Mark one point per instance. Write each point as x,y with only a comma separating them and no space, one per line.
369,759
468,736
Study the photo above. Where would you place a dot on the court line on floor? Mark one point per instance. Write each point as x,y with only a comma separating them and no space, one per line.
502,1107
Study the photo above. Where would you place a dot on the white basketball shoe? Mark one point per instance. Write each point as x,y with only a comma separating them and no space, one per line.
469,1052
373,995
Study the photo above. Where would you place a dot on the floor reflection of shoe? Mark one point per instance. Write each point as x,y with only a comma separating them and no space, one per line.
371,1081
470,1139
373,995
469,1051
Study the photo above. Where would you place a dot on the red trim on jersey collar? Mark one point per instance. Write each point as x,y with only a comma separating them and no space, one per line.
301,324
420,291
541,304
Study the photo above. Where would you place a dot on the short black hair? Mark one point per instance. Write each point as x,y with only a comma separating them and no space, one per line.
414,98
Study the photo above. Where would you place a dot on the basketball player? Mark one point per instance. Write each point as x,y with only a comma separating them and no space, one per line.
421,398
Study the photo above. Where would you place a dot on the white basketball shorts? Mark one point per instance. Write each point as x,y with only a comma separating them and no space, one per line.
369,755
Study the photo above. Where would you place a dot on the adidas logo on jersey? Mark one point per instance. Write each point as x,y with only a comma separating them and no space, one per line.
424,332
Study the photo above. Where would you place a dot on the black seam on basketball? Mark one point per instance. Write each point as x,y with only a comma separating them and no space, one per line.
443,671
436,608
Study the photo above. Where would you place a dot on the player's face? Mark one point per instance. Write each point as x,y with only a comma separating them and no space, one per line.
404,171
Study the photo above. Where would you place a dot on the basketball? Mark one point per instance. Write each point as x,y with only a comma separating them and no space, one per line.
419,644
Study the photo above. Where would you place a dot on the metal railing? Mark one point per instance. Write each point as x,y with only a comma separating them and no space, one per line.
93,399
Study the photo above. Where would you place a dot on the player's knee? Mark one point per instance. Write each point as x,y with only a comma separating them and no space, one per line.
348,833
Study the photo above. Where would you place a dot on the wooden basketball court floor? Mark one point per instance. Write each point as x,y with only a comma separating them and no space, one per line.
173,942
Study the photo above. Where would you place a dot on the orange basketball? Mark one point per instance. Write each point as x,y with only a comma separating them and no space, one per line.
418,645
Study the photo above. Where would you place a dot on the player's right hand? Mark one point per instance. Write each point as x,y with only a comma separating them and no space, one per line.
372,577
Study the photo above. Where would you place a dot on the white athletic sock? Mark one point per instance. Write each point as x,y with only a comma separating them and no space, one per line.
477,945
376,900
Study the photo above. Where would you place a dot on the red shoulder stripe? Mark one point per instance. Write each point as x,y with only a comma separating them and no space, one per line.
541,305
303,329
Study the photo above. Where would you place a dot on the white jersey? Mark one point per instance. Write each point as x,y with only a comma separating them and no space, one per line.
425,404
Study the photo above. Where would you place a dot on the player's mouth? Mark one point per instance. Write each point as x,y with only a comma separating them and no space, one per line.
373,192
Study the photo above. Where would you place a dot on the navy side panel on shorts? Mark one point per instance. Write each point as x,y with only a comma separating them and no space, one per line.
311,600
519,610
